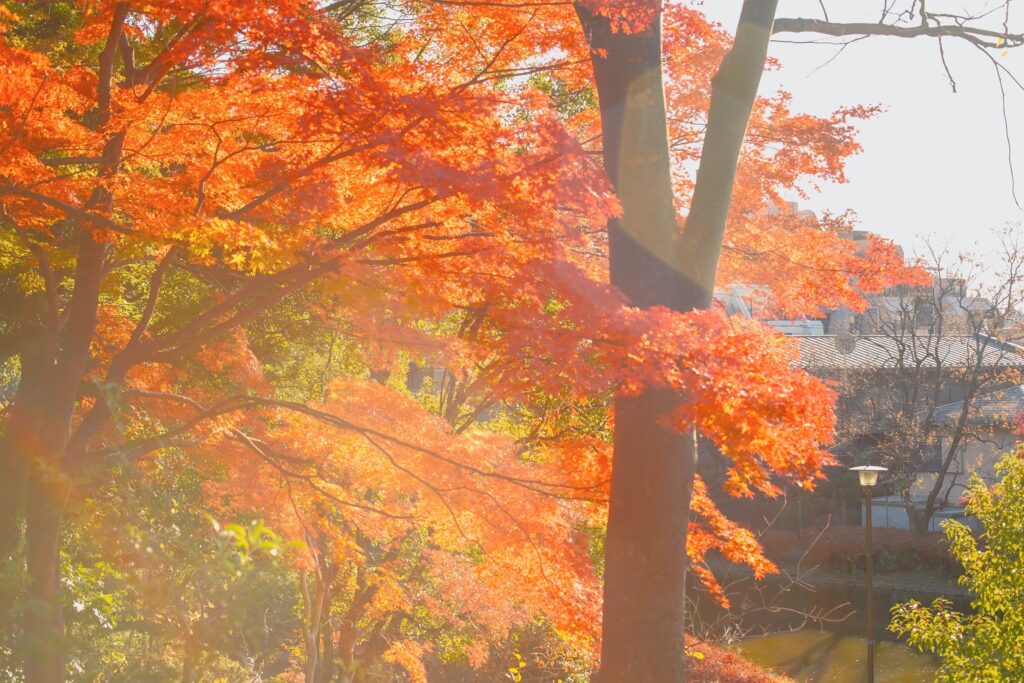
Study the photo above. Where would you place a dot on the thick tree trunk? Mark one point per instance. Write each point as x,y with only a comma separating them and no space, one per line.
44,629
49,485
653,264
15,455
645,560
22,431
645,547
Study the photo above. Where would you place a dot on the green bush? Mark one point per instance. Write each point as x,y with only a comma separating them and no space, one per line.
987,645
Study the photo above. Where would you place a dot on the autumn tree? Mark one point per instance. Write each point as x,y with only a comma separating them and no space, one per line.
656,265
153,221
194,196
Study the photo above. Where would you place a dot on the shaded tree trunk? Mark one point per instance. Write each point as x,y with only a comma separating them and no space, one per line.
192,653
328,667
22,432
655,265
314,607
43,625
49,483
348,636
15,454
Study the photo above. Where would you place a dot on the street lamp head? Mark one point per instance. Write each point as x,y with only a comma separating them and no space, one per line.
868,474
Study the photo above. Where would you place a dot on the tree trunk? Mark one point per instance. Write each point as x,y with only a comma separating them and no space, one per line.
654,265
733,90
348,635
327,650
22,432
191,655
645,547
645,557
313,609
15,455
49,485
43,624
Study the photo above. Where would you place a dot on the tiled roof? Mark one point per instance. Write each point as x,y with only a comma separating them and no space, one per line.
882,351
1002,405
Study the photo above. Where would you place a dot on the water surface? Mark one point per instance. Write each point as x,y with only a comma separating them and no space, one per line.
814,656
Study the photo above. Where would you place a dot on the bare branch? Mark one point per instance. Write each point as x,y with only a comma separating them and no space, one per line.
979,36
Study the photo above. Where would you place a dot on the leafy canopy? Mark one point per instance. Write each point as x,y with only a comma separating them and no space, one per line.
988,643
255,222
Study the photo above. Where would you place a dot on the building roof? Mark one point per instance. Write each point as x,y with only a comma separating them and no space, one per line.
878,351
999,406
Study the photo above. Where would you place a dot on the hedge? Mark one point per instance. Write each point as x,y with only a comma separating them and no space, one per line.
842,547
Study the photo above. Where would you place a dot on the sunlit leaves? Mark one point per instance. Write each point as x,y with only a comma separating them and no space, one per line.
986,644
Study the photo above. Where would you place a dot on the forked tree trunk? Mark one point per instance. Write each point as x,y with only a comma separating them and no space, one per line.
654,265
645,547
49,480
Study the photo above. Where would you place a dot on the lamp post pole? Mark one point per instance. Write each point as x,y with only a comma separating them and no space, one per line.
868,476
870,578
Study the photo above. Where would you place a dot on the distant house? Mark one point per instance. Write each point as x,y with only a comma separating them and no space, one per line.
830,353
841,358
928,381
873,371
997,414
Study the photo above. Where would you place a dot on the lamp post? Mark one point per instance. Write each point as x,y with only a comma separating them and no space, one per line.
868,475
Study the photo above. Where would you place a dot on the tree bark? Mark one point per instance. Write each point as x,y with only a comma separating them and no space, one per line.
191,654
327,649
49,485
43,624
733,90
655,265
313,611
15,451
645,546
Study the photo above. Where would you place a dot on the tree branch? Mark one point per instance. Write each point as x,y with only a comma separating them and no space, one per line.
979,36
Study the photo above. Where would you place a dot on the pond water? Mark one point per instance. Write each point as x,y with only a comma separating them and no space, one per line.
826,650
815,656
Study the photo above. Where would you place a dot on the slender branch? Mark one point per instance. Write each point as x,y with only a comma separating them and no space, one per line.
154,293
978,36
107,57
84,215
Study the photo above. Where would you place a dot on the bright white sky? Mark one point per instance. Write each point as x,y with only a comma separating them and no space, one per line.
935,163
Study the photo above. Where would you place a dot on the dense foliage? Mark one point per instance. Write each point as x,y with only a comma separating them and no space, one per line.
309,345
988,644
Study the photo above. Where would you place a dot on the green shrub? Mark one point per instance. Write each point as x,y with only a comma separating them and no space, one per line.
842,548
987,645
